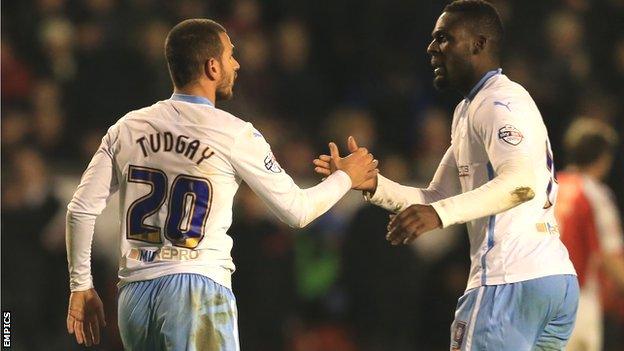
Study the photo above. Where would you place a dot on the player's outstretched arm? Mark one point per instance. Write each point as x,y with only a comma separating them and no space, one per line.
509,138
495,196
395,197
85,316
254,162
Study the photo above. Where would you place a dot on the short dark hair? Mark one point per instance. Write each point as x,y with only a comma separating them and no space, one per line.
483,17
189,45
586,140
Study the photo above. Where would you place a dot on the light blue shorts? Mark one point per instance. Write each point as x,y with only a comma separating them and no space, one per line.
177,312
536,314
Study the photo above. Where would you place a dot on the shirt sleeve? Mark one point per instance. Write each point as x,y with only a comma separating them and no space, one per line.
505,134
608,224
98,183
396,197
253,160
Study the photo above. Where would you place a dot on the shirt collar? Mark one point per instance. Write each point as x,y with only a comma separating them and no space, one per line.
479,85
194,99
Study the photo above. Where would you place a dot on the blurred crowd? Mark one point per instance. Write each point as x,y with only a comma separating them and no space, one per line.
311,72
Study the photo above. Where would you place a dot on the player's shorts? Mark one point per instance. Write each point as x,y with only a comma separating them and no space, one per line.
536,314
177,312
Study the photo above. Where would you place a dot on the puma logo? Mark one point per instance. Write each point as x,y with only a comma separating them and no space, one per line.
498,103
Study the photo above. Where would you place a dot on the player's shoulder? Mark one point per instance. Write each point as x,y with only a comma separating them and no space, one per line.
569,177
597,190
141,113
131,117
230,124
502,96
243,132
230,119
502,89
570,182
459,107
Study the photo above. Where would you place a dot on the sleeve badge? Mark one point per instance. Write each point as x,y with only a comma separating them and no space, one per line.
270,163
510,134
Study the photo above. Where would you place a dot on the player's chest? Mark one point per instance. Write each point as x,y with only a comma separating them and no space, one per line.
468,147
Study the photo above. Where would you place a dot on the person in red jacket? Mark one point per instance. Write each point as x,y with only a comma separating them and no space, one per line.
589,223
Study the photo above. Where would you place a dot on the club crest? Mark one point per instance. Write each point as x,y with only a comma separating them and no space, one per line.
459,330
510,134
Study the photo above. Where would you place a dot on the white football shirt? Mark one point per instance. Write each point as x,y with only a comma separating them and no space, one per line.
177,165
498,143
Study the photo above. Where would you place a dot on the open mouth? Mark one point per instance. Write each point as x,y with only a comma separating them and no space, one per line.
438,67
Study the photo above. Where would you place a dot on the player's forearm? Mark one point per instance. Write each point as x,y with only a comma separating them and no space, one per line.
299,207
78,238
396,197
513,186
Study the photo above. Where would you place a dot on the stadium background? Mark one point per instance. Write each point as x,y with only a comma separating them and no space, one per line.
312,71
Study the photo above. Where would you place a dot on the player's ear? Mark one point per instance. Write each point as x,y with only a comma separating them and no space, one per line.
212,70
479,44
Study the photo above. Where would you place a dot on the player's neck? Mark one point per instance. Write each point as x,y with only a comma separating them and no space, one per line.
198,90
475,78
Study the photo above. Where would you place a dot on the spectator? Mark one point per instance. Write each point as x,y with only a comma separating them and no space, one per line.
590,225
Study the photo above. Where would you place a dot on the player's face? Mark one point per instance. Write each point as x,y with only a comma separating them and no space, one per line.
450,53
229,68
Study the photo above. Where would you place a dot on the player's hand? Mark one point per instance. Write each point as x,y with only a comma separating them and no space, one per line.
85,316
359,165
325,167
411,223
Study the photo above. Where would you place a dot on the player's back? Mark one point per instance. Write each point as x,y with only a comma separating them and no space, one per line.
176,187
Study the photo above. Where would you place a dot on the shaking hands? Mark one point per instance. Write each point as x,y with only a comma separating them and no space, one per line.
359,165
403,227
